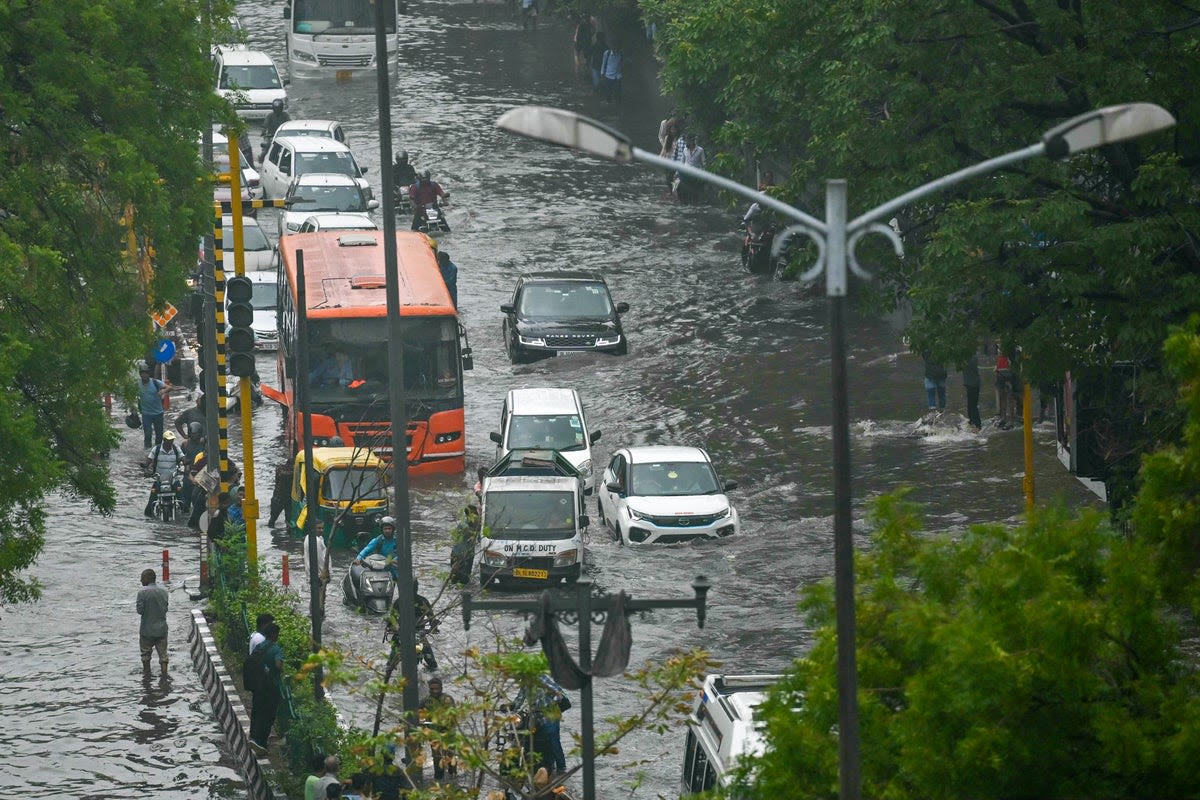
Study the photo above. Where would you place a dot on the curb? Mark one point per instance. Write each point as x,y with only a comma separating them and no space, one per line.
227,706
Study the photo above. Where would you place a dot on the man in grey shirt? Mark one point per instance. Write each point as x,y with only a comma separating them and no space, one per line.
152,602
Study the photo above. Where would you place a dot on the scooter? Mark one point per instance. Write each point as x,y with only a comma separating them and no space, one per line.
369,586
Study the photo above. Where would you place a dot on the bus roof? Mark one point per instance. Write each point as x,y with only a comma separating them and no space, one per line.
344,275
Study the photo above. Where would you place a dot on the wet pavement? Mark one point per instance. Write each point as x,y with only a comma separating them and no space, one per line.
718,359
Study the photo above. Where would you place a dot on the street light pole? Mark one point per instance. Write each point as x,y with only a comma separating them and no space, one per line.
836,240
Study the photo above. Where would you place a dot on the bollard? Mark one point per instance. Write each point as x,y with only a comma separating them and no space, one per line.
203,574
286,575
166,570
108,402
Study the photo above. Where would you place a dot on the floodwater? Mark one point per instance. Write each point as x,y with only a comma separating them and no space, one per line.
718,359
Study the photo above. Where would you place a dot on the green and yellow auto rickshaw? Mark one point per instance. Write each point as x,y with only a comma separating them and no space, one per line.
352,497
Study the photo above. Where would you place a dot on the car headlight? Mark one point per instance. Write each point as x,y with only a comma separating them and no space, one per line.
566,558
585,469
726,514
638,514
533,340
608,341
293,226
302,55
493,558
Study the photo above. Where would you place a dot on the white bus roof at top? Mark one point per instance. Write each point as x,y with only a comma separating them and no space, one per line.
724,715
543,401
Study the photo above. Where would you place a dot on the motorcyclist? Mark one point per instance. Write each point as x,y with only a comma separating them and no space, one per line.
423,616
196,414
273,120
403,172
162,461
425,192
384,544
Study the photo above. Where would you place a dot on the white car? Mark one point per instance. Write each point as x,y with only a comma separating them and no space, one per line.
256,248
548,419
289,157
324,128
336,222
319,191
664,495
250,176
249,80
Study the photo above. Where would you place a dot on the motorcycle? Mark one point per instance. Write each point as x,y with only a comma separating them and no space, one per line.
430,219
368,586
756,247
167,496
425,626
400,200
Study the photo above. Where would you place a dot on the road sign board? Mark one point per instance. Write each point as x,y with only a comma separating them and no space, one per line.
161,318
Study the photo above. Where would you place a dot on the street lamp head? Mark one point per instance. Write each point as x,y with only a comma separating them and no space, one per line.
1105,126
568,129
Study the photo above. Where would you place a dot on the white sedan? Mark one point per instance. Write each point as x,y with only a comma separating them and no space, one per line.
664,495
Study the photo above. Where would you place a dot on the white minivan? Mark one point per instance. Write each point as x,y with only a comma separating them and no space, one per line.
249,80
548,419
289,157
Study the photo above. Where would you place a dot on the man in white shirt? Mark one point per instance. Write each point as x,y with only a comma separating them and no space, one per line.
260,625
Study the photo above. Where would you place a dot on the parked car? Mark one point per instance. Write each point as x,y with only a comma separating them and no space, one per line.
336,222
249,80
663,494
557,312
257,249
319,191
547,419
289,157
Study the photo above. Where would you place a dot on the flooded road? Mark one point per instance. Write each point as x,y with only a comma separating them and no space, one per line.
718,359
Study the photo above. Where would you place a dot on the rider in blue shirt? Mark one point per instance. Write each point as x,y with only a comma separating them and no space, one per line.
384,544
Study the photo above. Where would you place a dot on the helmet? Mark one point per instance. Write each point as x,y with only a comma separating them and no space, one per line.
425,175
402,157
389,521
335,441
195,431
277,104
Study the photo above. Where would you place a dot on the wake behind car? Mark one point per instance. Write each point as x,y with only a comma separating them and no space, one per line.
553,312
663,495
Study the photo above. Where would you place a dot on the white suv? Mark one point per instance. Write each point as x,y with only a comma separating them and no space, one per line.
249,80
289,157
665,495
548,419
314,192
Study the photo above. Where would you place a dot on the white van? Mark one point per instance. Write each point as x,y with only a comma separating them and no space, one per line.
249,80
289,157
532,529
722,729
548,419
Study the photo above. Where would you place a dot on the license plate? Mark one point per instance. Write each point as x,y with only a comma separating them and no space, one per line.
343,74
539,574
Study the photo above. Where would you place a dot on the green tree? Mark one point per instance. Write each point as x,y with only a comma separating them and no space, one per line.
1082,264
1034,661
102,103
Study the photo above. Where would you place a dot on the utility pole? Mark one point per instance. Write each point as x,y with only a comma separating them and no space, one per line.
312,526
584,608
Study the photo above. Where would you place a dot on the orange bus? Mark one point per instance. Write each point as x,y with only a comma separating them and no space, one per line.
348,347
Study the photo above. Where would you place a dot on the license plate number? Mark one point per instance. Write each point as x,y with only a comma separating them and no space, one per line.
343,74
539,574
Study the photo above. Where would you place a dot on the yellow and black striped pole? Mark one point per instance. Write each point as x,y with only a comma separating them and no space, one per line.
219,331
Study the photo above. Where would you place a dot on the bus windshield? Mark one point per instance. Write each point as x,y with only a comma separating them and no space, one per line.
340,17
351,484
543,515
349,360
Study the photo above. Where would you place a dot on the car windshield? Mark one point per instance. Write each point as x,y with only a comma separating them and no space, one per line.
264,297
328,198
250,76
673,479
565,300
340,162
253,238
530,515
545,432
353,484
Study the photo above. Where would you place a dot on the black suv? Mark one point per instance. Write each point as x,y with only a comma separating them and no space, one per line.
562,311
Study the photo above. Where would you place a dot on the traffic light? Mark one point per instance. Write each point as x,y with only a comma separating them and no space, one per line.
239,313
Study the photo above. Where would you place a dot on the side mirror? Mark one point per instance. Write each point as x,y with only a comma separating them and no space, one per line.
584,521
287,81
622,308
362,170
613,487
508,308
495,437
287,12
372,205
468,363
595,437
730,485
